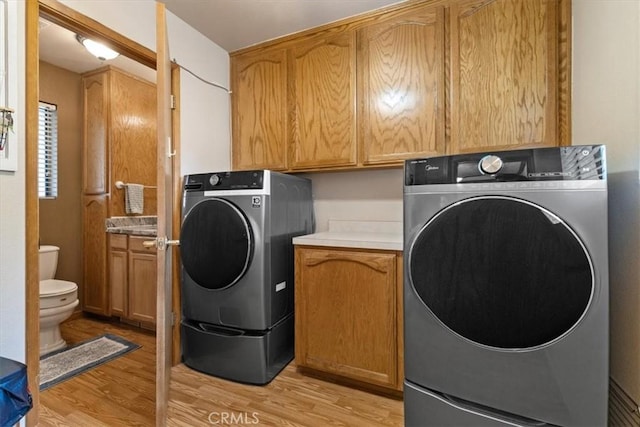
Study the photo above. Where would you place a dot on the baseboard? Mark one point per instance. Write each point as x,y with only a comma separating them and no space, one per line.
623,411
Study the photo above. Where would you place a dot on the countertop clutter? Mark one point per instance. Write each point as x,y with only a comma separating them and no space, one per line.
134,225
383,235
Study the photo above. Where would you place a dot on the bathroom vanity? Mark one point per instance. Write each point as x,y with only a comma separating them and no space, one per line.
132,270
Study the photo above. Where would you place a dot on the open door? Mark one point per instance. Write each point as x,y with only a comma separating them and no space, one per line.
165,219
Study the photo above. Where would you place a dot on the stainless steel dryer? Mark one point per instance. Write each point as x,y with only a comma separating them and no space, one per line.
506,289
237,271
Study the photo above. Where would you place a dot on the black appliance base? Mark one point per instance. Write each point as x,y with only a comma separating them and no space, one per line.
252,357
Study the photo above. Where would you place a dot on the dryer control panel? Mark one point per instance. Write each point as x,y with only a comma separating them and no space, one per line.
237,180
574,163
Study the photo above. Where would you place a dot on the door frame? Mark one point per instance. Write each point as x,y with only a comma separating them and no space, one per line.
69,18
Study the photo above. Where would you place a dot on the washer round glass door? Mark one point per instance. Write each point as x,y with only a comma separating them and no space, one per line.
502,272
216,243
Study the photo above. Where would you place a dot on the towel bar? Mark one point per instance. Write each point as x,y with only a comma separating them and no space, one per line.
120,184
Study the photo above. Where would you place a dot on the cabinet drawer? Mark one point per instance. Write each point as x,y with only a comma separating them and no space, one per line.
136,244
118,241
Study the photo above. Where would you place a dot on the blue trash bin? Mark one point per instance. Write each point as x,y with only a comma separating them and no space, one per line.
15,399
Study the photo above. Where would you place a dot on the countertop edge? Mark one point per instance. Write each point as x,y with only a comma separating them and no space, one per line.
376,241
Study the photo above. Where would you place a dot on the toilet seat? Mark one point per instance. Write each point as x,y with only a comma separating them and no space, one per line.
57,293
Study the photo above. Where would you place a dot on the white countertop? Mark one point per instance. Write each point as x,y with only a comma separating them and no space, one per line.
383,235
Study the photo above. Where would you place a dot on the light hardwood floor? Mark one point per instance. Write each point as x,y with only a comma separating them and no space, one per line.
121,392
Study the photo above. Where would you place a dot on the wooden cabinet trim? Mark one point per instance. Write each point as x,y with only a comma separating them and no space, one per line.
336,27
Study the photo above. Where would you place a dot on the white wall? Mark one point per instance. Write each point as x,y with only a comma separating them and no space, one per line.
370,195
606,82
12,202
606,109
205,110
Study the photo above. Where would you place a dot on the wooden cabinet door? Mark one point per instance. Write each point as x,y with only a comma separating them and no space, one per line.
504,73
95,291
133,139
259,110
345,312
401,87
94,158
118,274
322,102
142,280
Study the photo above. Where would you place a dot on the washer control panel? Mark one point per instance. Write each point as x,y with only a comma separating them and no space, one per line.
237,180
573,163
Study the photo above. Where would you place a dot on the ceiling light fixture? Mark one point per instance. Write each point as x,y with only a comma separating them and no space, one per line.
98,50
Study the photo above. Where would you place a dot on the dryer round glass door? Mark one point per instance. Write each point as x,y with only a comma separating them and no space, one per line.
216,243
502,272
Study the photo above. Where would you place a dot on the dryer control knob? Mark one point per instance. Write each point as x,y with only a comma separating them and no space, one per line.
214,180
490,164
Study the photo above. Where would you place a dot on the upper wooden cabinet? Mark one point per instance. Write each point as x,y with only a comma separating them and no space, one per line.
504,71
322,102
95,123
401,87
419,79
259,105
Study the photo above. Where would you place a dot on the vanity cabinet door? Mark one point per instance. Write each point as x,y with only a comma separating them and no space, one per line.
345,306
118,274
142,280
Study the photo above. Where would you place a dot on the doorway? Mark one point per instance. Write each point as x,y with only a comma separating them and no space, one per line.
72,20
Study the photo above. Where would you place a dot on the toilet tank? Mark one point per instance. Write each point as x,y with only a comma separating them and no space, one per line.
48,261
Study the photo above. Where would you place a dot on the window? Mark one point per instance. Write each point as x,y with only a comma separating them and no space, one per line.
47,151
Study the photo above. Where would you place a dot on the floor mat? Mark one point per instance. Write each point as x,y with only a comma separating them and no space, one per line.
68,362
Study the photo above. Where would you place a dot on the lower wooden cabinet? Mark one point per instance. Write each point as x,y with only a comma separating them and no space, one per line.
132,278
348,314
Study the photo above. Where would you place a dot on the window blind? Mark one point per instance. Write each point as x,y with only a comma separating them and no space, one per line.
47,150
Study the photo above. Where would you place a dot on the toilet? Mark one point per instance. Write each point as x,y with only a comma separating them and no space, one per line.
58,299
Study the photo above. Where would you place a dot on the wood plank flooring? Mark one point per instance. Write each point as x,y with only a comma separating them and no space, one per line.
121,393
